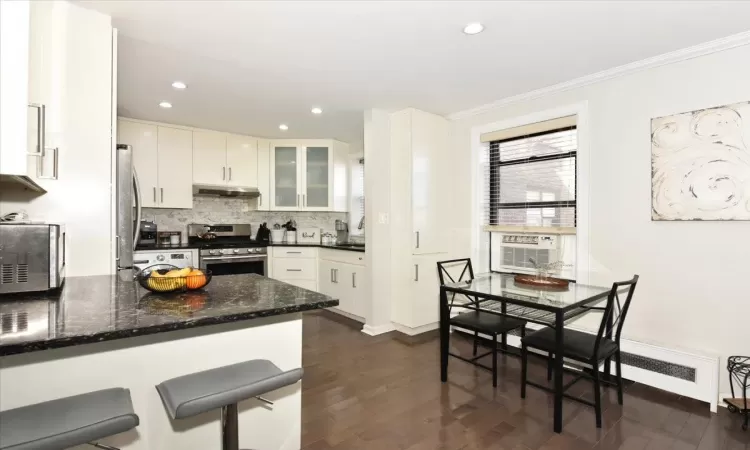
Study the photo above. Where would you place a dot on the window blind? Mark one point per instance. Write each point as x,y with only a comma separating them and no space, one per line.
531,180
357,197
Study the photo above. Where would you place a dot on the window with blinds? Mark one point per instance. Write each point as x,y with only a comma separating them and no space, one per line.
531,179
357,208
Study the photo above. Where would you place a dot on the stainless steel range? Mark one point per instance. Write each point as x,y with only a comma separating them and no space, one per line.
228,249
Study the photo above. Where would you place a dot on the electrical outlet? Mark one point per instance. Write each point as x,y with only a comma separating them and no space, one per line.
383,218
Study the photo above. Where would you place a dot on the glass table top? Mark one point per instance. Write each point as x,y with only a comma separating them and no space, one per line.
502,286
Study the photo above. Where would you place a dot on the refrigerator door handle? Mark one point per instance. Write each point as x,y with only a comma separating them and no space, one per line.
137,226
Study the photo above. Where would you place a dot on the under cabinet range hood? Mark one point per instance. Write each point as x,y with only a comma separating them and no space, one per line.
22,181
213,190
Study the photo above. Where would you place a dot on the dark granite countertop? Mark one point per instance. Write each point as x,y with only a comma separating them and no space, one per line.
102,308
360,249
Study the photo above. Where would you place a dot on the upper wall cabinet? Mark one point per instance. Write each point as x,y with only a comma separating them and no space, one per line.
308,175
225,159
163,161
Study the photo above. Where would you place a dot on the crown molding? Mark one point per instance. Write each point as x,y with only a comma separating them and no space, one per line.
729,42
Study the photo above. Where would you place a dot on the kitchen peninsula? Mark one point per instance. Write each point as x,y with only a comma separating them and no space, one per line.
100,332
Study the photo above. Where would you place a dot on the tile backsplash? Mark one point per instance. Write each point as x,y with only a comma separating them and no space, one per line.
211,210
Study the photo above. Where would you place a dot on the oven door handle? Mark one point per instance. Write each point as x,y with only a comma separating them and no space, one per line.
232,258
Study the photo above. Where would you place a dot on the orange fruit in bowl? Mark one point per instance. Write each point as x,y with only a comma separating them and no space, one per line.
196,279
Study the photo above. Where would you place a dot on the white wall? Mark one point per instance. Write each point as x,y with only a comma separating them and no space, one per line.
377,195
79,124
692,293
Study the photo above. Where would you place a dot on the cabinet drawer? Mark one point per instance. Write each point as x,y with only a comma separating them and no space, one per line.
344,256
294,252
305,284
294,269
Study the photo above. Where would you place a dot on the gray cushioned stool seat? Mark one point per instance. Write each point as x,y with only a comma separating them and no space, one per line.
199,392
67,422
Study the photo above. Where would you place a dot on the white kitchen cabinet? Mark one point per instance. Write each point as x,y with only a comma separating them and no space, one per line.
15,23
309,175
162,157
297,266
175,168
143,138
209,157
344,281
419,141
264,175
242,161
420,161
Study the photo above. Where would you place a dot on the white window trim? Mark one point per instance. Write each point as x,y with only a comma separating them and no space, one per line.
479,237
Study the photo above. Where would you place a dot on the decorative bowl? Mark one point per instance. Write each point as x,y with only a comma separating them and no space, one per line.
162,278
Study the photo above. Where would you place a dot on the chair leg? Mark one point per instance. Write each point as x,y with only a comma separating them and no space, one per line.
476,342
597,396
549,366
494,360
607,368
524,367
618,368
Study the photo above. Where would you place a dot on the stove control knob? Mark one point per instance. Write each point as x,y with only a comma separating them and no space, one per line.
160,258
249,250
212,252
236,250
221,252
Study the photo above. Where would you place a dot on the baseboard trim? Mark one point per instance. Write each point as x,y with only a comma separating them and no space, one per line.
379,329
347,315
416,330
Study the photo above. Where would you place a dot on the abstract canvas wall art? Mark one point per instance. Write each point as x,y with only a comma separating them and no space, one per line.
700,164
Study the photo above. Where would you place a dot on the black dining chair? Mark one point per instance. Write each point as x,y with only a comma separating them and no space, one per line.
475,320
586,349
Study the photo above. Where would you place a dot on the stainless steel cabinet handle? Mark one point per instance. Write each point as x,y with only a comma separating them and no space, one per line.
40,165
335,275
260,199
331,275
162,195
416,272
230,174
154,194
117,247
304,200
293,253
223,173
265,400
41,118
297,200
354,279
417,239
294,270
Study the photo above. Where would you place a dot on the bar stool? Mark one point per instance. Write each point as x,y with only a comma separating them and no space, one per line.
223,388
69,421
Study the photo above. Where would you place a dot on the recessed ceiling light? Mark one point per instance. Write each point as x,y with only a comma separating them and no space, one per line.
473,28
165,105
283,127
316,111
179,85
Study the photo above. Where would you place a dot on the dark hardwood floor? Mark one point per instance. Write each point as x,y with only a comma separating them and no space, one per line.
384,392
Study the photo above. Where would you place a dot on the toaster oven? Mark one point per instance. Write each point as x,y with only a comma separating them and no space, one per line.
32,257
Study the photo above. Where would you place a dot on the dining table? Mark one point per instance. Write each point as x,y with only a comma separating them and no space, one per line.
499,293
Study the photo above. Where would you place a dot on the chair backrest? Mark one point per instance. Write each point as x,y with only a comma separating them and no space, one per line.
461,266
615,312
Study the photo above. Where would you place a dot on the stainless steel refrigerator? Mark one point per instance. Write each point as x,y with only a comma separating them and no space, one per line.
128,210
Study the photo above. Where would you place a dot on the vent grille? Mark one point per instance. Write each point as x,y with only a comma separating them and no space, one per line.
22,273
519,257
6,273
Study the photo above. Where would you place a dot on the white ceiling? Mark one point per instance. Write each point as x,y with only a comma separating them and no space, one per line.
252,65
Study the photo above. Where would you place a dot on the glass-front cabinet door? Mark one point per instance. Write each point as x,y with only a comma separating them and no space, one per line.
286,192
317,173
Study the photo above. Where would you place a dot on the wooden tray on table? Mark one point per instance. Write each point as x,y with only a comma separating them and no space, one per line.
547,283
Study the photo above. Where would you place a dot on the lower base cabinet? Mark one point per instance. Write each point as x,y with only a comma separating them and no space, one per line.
345,282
